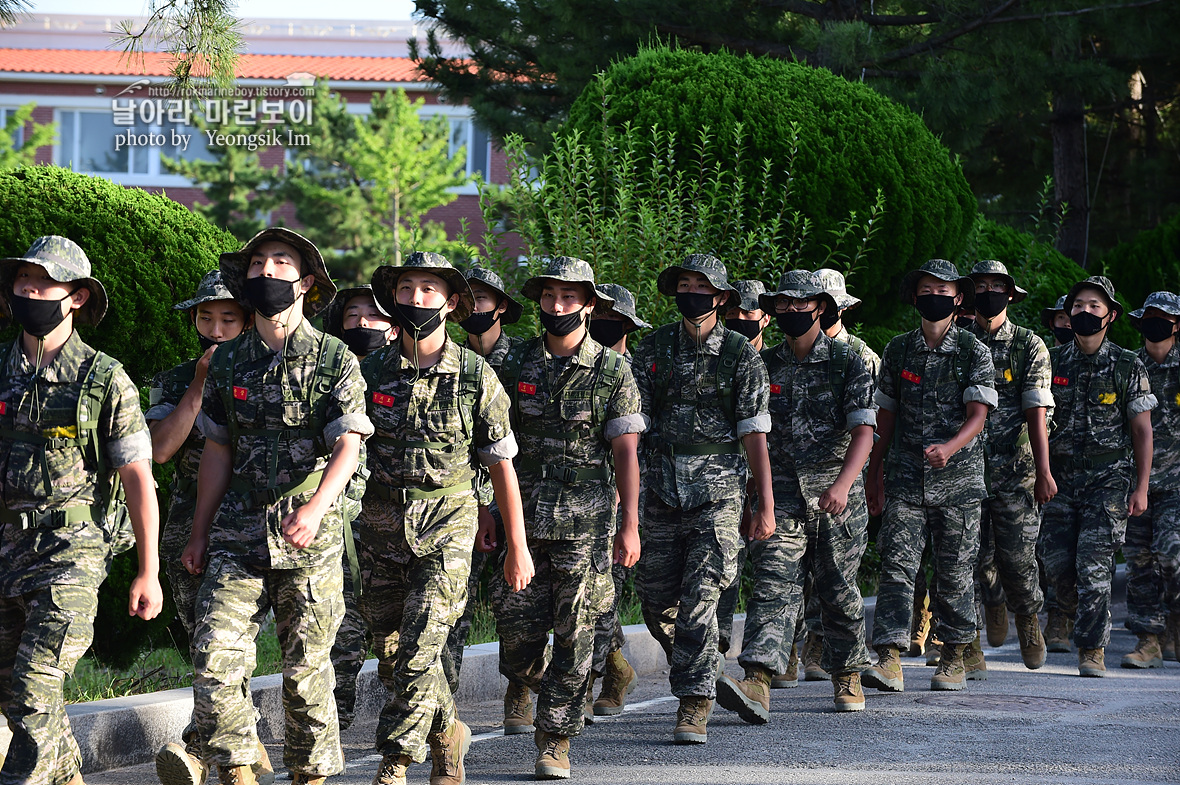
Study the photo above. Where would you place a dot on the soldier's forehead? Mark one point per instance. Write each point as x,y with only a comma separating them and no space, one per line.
935,282
362,300
478,288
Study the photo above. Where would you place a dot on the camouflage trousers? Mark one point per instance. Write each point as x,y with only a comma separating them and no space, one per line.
43,634
688,558
174,537
608,632
830,548
452,655
231,607
352,645
571,590
954,538
727,605
1009,526
410,604
1152,550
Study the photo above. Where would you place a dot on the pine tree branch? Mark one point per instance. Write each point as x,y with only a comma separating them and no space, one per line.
736,44
945,38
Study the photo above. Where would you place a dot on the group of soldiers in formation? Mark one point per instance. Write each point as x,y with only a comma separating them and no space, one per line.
356,481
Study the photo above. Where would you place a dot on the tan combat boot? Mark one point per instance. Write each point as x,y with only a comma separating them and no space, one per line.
236,775
175,766
1147,653
393,770
1032,643
973,662
750,697
951,673
617,683
447,750
692,720
790,677
264,773
813,651
74,780
303,778
1092,663
996,623
588,709
849,695
1057,631
518,709
920,629
886,674
553,756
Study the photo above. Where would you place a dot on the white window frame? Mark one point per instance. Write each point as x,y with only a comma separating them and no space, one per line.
5,108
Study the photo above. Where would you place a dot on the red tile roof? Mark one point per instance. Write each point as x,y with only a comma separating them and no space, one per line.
106,63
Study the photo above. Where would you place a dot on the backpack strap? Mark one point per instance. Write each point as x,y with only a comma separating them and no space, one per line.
470,380
662,367
963,366
1018,357
731,355
1123,368
609,372
838,369
221,373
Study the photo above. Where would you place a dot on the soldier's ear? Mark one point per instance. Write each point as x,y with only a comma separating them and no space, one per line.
79,297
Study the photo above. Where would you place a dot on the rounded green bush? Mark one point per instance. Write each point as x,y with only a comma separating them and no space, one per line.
852,141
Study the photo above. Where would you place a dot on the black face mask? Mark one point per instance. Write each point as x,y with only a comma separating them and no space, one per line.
693,305
1085,323
418,322
479,323
270,296
560,325
935,307
747,327
990,303
37,317
964,321
795,323
363,340
206,342
1156,328
828,319
607,332
1063,334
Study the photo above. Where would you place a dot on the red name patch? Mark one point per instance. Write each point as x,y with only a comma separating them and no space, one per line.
240,393
1061,380
3,407
526,388
775,389
910,376
383,400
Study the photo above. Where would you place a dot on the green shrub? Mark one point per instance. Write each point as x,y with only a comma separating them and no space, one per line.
1149,263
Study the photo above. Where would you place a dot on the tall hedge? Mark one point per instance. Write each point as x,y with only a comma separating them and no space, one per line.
852,141
1148,263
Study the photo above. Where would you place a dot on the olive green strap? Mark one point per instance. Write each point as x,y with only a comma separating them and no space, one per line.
414,494
264,496
564,473
29,520
722,448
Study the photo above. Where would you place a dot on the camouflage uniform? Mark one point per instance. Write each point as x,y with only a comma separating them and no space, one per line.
50,568
930,401
568,491
280,449
1090,452
811,423
696,476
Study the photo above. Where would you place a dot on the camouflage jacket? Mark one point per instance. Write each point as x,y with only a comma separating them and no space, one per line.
1165,419
415,413
696,416
930,405
871,360
272,394
164,396
495,358
1006,433
45,403
554,420
1092,414
810,427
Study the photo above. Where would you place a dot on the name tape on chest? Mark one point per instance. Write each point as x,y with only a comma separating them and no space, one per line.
910,376
4,406
1061,381
526,388
383,400
240,393
777,389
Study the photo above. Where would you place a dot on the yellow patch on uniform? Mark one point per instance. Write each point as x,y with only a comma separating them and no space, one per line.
1007,374
1178,399
1107,398
61,432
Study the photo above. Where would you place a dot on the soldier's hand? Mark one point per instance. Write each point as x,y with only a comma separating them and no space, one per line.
1138,502
937,455
627,546
834,500
485,533
875,491
518,568
193,557
763,525
203,366
747,521
147,598
1045,488
301,526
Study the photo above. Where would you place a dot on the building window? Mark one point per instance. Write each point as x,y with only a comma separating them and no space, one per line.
18,136
465,132
92,143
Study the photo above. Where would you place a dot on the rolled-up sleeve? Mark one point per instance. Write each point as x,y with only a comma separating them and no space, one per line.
757,424
979,394
159,412
886,402
629,423
1142,404
1036,399
356,422
860,417
501,450
136,447
213,431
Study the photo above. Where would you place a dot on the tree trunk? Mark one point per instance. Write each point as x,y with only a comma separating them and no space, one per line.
1069,173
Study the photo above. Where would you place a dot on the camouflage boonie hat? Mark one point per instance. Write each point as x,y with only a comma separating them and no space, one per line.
709,266
386,276
798,285
334,314
65,262
210,289
235,265
992,267
567,269
1103,285
749,292
833,283
624,303
489,279
1163,301
1047,313
943,271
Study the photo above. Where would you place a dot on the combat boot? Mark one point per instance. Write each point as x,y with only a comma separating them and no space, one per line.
920,630
447,750
996,623
302,778
849,695
1147,653
393,770
790,677
933,650
813,651
617,683
692,720
951,673
1092,662
235,775
175,766
518,709
1032,643
74,780
553,756
886,674
973,662
588,709
1057,631
750,697
264,773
